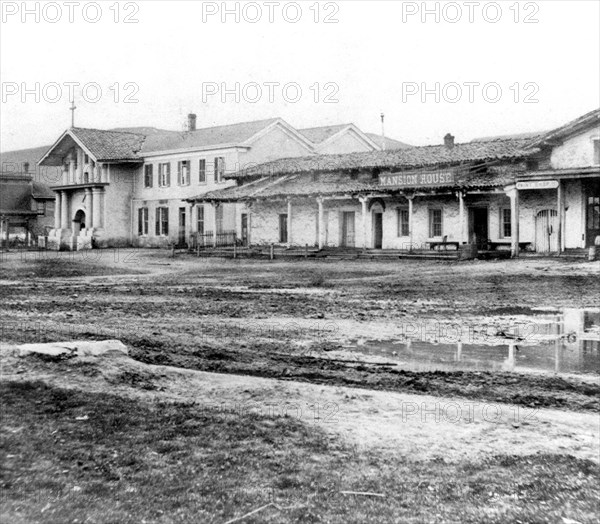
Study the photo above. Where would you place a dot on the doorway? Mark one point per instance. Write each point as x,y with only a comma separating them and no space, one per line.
478,227
78,222
592,200
378,230
546,231
245,229
348,229
181,235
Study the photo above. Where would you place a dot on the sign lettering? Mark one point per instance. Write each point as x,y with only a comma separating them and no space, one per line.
538,184
437,178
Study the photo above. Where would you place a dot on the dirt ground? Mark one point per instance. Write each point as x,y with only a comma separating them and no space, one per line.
272,338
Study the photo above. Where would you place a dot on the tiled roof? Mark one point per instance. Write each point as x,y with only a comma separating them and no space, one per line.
210,136
305,185
110,145
530,135
14,161
390,143
409,158
586,121
41,191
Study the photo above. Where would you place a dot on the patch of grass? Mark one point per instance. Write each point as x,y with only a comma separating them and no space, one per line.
130,462
46,265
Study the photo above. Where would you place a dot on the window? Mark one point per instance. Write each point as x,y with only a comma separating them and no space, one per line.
41,207
164,175
593,212
596,151
142,221
200,223
505,228
162,221
202,171
283,228
219,168
183,173
435,223
219,218
403,222
148,175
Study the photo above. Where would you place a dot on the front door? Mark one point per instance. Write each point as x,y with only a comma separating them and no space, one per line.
348,229
592,212
478,227
181,236
377,230
546,231
244,229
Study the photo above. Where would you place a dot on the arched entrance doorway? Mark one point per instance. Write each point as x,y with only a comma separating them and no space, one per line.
78,222
546,231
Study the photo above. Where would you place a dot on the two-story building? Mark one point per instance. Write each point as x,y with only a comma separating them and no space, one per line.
131,186
535,193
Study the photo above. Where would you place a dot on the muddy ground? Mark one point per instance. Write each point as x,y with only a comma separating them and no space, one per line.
292,320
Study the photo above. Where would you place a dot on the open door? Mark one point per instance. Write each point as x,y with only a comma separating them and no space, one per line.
181,233
245,229
592,226
378,230
478,227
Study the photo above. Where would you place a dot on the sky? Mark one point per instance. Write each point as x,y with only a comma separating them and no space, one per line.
471,69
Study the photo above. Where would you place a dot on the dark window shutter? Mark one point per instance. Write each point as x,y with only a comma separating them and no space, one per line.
157,221
166,215
179,173
140,221
169,174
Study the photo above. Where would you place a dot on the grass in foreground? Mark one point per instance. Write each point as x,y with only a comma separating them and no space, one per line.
72,456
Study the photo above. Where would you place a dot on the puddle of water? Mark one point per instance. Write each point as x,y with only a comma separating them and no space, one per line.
565,342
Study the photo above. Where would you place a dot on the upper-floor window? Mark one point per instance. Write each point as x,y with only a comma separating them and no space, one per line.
219,168
41,207
202,170
148,175
596,151
183,173
164,174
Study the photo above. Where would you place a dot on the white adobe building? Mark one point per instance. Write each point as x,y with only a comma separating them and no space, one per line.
535,193
129,186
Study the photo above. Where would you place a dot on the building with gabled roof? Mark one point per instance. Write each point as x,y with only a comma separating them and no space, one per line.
130,185
535,191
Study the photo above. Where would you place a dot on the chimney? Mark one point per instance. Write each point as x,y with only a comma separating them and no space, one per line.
449,141
191,122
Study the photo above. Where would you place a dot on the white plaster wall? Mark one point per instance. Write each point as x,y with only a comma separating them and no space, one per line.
577,151
348,142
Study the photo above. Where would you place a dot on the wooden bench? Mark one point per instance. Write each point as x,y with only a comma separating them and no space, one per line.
507,243
444,242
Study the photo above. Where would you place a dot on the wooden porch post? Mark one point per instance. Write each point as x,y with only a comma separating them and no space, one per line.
289,222
514,221
461,216
321,219
410,222
363,202
214,206
560,209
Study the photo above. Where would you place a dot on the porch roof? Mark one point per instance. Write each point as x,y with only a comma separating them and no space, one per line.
339,184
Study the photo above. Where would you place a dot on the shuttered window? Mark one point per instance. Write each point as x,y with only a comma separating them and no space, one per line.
142,221
164,175
202,171
162,221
